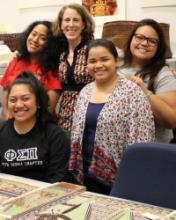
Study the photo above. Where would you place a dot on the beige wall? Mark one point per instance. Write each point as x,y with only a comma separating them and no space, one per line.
15,19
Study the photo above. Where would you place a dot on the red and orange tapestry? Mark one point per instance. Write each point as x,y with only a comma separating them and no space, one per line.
101,7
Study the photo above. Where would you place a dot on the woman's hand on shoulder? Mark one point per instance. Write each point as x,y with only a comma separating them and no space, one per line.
139,82
174,72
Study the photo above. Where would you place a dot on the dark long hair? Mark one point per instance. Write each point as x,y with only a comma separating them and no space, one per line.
42,99
109,45
87,33
49,55
151,69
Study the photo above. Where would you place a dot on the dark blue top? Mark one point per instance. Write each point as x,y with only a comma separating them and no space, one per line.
91,182
92,114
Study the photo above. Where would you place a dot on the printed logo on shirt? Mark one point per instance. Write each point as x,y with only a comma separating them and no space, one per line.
21,154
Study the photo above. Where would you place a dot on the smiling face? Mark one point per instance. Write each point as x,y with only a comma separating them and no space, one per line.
22,103
101,64
72,25
142,48
37,39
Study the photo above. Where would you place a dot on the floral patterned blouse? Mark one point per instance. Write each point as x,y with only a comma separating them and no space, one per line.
73,78
126,118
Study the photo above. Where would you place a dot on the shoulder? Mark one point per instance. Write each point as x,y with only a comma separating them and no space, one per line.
5,125
164,71
127,84
53,129
129,90
165,81
56,136
86,89
82,49
54,132
18,61
85,47
2,123
126,71
14,60
12,63
82,46
84,94
17,64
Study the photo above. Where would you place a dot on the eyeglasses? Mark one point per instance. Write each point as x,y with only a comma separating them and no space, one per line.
141,38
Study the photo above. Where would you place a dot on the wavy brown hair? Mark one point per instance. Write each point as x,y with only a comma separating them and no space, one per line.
87,33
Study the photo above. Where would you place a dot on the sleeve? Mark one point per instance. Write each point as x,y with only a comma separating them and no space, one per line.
2,123
141,126
80,113
8,76
51,82
59,152
165,81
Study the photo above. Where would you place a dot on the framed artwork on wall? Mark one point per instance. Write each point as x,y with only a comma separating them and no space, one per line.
104,11
157,3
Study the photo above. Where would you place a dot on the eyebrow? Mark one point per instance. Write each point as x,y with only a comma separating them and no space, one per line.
23,95
41,34
154,38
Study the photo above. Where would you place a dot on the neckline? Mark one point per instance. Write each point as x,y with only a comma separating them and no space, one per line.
23,134
93,103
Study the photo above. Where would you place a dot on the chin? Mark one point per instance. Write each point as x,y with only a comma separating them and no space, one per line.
20,119
72,38
100,80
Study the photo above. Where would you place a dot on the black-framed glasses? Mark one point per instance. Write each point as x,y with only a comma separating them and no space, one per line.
141,38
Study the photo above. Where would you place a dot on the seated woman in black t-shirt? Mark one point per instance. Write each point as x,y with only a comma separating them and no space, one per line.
31,145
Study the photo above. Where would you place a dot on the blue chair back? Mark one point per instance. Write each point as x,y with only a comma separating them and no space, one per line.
147,173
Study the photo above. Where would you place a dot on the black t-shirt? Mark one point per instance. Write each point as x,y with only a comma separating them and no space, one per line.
40,154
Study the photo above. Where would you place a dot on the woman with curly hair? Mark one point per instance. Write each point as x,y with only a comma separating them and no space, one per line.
74,27
37,53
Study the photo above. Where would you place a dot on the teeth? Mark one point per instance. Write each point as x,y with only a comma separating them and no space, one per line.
33,45
99,73
72,31
142,49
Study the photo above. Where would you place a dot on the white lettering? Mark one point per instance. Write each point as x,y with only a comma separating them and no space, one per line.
10,155
21,154
27,154
32,163
4,164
